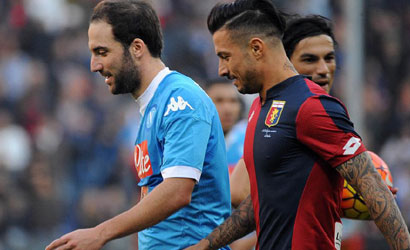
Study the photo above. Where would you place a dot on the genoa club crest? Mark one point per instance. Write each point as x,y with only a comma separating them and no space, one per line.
272,118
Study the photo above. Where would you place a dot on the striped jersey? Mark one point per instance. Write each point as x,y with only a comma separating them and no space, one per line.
293,143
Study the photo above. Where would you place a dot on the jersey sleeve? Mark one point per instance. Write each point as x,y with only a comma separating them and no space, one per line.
323,125
187,127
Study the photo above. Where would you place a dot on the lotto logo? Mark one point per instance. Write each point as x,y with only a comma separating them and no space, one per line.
141,160
351,146
174,105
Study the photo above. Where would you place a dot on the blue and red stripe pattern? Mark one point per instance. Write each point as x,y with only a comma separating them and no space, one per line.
293,143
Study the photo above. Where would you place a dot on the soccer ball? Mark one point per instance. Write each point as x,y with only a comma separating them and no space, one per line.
353,206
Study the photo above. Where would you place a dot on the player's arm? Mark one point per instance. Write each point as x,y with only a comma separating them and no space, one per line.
239,183
239,224
362,175
164,200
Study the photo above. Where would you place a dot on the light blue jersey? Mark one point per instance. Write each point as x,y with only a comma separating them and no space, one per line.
180,135
235,140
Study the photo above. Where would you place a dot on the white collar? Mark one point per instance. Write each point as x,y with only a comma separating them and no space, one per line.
145,98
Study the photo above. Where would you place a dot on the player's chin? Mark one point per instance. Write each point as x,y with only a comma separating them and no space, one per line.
114,90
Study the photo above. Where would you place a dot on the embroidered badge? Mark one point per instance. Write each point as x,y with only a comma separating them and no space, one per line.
273,116
151,116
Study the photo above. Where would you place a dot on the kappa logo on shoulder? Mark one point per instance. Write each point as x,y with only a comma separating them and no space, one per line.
142,161
174,105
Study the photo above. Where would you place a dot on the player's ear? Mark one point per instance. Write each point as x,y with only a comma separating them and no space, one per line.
257,47
137,47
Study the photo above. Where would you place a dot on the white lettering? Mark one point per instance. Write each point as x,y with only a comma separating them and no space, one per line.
145,168
141,161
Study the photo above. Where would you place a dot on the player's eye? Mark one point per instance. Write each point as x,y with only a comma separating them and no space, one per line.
330,58
309,59
223,56
102,52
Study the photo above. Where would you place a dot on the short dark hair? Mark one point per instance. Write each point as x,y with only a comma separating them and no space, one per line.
131,19
299,28
252,16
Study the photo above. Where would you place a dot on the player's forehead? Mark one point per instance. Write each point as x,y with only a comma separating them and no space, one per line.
100,34
222,41
319,45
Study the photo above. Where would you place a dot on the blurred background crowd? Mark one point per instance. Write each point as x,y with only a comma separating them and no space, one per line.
66,143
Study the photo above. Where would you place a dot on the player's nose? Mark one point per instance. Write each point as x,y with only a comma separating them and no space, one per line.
322,67
223,70
95,64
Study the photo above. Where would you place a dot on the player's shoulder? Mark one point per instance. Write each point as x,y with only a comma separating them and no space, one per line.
176,82
313,93
323,103
305,89
180,95
314,88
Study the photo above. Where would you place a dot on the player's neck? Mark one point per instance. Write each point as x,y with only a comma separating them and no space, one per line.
275,73
148,71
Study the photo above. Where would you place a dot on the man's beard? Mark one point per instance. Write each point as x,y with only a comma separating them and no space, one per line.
128,79
250,85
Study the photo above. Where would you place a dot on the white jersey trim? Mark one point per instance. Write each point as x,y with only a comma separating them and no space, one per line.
145,98
181,172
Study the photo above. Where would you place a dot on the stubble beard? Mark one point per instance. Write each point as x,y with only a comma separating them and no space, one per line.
250,85
128,79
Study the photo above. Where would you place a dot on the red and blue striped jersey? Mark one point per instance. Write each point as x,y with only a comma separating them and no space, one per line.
293,143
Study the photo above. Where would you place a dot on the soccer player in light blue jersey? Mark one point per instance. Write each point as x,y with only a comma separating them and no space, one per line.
179,151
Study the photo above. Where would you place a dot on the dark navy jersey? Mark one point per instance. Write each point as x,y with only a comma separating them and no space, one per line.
293,143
